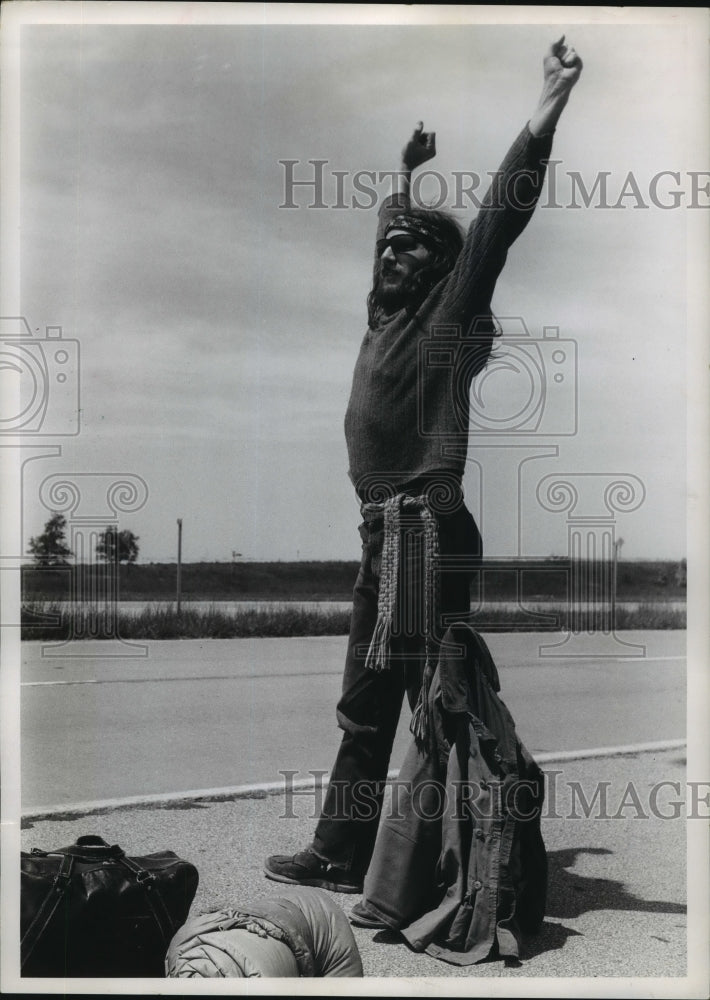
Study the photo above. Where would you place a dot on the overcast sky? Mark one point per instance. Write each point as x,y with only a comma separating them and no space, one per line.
218,331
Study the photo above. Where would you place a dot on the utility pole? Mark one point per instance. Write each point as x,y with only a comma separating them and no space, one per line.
179,564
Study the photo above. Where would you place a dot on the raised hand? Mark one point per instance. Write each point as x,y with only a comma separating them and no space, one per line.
420,148
562,65
562,68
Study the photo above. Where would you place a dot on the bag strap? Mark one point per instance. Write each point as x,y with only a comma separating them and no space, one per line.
151,886
50,903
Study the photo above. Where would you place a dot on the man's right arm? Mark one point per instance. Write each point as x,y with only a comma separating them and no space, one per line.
420,148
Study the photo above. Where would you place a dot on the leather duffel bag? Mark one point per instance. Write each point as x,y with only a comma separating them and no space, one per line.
89,910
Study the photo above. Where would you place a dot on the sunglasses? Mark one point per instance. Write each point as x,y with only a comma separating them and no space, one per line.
402,243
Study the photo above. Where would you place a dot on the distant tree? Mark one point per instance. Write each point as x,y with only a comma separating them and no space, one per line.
50,548
117,546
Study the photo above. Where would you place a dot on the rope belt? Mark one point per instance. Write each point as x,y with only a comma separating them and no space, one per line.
379,653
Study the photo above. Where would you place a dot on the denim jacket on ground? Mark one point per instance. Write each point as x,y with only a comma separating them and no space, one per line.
459,866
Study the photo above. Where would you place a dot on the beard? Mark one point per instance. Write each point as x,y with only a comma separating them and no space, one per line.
392,291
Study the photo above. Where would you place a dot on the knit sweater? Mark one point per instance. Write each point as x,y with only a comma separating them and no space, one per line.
408,411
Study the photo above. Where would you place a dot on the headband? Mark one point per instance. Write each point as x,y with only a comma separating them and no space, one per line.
418,227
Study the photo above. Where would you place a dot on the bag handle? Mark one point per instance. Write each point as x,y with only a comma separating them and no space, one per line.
46,911
92,848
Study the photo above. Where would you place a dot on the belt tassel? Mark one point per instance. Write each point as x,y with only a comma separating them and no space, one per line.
379,653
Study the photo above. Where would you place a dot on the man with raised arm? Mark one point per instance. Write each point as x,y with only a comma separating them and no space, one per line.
406,432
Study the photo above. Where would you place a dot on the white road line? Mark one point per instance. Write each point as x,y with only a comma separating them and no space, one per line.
254,677
197,677
645,659
553,757
38,684
262,789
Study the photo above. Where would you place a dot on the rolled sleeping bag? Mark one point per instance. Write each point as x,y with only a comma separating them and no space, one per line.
205,951
302,932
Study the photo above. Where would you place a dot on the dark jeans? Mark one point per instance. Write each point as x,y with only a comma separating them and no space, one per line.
371,701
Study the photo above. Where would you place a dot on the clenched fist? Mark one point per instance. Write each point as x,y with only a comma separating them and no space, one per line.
562,65
420,148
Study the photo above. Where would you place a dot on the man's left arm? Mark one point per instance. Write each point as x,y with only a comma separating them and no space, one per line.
515,190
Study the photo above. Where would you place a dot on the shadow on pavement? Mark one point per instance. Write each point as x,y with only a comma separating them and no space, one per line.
550,937
570,894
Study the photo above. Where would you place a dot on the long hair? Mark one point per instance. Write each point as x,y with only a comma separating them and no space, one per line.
444,253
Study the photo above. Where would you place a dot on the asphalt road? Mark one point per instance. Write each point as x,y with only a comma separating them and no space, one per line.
208,714
218,713
616,896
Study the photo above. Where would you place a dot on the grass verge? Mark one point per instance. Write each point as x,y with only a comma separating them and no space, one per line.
56,622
